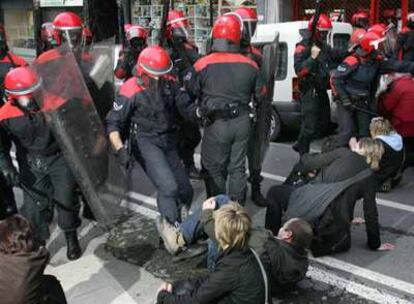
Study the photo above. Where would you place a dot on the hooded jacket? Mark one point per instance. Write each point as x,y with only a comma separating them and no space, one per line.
392,159
21,276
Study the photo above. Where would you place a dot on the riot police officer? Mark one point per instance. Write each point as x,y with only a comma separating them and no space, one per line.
313,62
8,61
360,20
225,81
48,36
183,54
136,37
70,31
259,135
405,41
354,83
24,119
148,105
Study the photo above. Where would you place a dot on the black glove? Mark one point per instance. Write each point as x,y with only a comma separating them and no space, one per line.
11,176
124,158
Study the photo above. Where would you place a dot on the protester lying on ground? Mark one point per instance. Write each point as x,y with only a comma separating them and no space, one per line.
238,276
397,105
340,178
284,257
22,263
392,162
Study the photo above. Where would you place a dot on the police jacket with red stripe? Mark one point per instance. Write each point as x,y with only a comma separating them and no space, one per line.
223,78
405,44
314,73
152,106
29,130
357,76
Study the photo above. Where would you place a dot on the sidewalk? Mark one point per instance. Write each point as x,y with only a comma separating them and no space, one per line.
98,277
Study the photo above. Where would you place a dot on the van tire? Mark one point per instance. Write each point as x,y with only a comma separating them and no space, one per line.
275,125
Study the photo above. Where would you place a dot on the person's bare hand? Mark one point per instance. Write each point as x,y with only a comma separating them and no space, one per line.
386,247
165,287
353,142
315,51
210,203
358,221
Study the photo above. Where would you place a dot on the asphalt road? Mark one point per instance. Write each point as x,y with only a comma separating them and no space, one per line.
358,276
388,275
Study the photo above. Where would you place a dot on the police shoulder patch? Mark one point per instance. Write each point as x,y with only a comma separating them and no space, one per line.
117,106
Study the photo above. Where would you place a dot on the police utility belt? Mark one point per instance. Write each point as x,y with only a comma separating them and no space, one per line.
232,110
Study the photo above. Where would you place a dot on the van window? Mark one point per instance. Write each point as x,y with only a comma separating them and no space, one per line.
282,62
341,41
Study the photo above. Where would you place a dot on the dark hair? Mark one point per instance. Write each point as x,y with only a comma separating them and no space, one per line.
302,233
16,235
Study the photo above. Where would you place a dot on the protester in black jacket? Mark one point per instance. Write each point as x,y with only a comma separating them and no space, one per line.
22,263
333,229
237,278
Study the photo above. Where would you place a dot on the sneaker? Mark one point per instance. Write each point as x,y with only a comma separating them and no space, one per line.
171,235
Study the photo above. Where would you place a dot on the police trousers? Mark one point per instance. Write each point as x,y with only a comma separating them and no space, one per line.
223,155
159,157
53,180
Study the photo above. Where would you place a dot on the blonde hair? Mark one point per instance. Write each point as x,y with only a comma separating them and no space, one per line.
232,226
373,150
380,126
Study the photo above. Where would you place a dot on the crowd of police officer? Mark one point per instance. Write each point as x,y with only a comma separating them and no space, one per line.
169,92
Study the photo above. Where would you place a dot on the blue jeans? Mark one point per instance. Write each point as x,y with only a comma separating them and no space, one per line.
192,231
167,173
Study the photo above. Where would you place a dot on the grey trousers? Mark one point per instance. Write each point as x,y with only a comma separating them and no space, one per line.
223,156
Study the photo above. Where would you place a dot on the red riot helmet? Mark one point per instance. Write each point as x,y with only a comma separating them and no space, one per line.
379,28
228,27
360,19
69,27
177,25
20,85
370,42
249,18
154,61
410,20
324,23
357,35
136,36
49,36
323,26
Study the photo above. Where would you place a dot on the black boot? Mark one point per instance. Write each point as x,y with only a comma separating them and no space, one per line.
257,196
73,250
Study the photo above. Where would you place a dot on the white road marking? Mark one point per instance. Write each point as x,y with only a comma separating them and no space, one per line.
363,291
376,277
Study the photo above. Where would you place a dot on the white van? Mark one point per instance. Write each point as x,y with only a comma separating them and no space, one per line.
286,97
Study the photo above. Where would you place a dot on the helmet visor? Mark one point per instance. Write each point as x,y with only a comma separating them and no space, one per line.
73,37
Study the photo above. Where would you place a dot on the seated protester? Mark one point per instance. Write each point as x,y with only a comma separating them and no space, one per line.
391,164
284,257
337,167
22,263
237,277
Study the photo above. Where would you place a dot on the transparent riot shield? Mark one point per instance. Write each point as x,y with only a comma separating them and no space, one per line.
70,110
262,125
97,69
